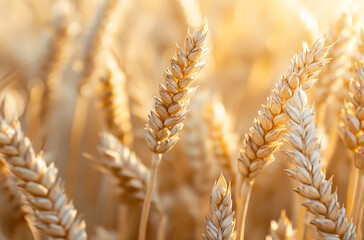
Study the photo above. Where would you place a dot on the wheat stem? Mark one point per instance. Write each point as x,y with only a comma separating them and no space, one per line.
161,234
357,203
246,191
156,159
352,187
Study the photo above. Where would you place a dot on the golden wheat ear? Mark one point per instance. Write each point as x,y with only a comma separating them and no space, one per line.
264,137
170,109
54,213
304,154
114,101
221,223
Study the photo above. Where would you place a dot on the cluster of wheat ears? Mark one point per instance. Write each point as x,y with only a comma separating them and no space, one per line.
181,171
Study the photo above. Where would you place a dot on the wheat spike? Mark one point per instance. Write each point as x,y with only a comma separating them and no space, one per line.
165,122
264,137
115,102
352,116
339,37
52,66
54,213
304,153
124,166
196,147
222,137
281,230
104,30
221,224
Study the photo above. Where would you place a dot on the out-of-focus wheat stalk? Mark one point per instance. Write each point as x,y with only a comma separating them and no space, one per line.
54,213
197,151
339,36
102,36
263,138
114,102
304,154
352,132
222,137
281,230
165,122
54,62
327,105
221,223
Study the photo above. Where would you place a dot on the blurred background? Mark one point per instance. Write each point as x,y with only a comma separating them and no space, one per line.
56,49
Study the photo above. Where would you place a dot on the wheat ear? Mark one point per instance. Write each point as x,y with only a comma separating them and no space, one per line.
165,122
222,138
304,153
263,138
221,224
115,102
52,66
54,213
339,36
102,34
281,230
126,168
352,132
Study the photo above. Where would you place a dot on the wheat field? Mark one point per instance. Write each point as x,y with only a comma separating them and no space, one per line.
181,119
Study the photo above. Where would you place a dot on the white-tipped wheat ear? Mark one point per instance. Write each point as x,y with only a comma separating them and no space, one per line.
263,138
351,129
281,230
123,165
304,154
54,214
165,122
115,102
221,224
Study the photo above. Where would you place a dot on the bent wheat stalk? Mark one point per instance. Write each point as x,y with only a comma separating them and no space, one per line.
304,154
221,224
165,122
54,213
263,138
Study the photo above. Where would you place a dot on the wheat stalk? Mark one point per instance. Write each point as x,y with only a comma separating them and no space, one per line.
263,138
165,122
304,153
53,63
339,37
54,213
102,35
352,133
221,224
281,230
115,102
222,138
